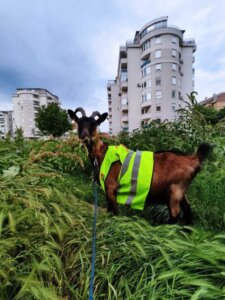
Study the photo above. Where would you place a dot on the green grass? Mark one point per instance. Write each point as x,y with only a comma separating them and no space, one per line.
46,216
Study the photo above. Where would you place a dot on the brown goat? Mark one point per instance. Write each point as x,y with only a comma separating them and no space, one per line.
173,171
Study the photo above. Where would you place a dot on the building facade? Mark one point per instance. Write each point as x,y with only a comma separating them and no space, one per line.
155,72
6,123
217,101
26,103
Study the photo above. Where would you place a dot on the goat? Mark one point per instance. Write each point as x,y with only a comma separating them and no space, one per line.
172,172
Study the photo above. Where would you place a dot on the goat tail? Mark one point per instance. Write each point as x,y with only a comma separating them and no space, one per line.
203,151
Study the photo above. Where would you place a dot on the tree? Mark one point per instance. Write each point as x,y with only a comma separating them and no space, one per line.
53,120
209,113
221,114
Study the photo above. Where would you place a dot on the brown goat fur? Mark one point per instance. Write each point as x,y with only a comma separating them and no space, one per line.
172,174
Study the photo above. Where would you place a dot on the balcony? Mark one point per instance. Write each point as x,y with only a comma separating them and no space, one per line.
124,86
125,128
123,51
109,84
193,59
124,118
146,103
123,63
146,116
124,107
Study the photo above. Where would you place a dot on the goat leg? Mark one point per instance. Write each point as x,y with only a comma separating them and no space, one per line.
111,200
186,209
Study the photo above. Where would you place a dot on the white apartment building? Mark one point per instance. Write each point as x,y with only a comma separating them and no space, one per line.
6,123
26,103
155,72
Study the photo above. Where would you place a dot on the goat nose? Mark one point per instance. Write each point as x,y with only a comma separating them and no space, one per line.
84,134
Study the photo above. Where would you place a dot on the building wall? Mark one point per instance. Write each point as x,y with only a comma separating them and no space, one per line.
26,103
133,92
6,123
155,93
114,109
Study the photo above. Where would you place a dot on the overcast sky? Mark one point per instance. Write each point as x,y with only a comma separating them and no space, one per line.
70,47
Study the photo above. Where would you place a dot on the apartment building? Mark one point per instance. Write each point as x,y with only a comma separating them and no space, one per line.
6,123
216,101
155,72
26,103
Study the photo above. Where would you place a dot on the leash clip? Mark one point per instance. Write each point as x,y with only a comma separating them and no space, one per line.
95,162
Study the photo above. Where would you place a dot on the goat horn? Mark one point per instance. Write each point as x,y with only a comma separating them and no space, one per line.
95,113
81,110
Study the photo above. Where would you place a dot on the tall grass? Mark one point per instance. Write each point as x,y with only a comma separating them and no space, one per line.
46,216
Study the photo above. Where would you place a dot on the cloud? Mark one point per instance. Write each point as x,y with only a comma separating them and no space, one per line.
71,48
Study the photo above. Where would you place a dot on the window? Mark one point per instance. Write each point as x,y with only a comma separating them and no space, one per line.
146,97
158,67
158,40
173,94
148,83
174,52
124,101
174,80
173,108
35,102
174,67
124,76
158,94
158,53
174,40
158,108
158,81
146,71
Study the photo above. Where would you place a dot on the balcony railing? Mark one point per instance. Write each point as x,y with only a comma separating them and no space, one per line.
146,103
124,118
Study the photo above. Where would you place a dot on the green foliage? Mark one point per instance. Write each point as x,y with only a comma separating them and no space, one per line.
52,120
209,113
46,216
18,136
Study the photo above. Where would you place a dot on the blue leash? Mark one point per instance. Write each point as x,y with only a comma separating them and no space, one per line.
94,237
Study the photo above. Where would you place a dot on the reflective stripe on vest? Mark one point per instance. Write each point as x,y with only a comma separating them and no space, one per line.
135,175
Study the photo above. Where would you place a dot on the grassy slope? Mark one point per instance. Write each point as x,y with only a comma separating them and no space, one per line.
46,230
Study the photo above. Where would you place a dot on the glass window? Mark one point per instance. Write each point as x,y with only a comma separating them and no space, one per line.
173,94
174,80
158,108
174,67
123,76
148,83
124,101
158,66
173,107
158,53
174,52
147,70
37,103
148,96
158,81
158,94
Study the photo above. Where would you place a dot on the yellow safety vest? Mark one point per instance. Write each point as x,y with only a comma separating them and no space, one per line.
135,175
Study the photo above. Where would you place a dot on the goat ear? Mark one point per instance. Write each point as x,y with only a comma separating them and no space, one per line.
102,118
72,115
